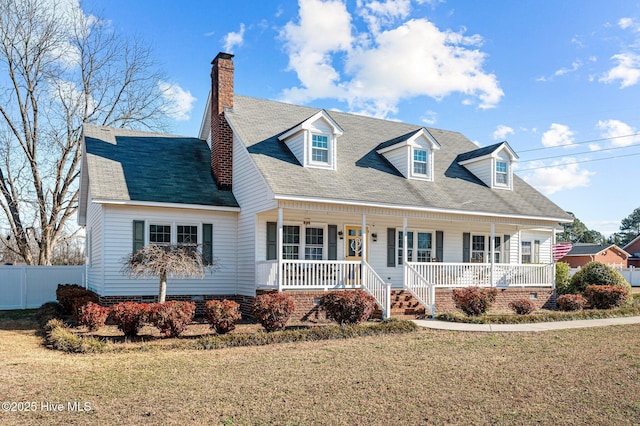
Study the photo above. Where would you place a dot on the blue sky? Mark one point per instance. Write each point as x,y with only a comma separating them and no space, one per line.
557,79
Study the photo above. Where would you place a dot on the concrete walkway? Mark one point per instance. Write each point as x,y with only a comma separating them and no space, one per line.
540,326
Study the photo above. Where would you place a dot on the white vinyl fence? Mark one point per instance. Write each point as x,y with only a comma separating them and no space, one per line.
631,274
27,287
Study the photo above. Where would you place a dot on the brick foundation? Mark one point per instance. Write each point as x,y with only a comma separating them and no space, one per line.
545,298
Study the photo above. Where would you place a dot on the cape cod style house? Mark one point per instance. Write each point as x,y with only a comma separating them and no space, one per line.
304,200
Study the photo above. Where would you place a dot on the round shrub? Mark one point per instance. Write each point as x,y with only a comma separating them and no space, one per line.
563,278
48,311
172,317
597,273
606,296
129,317
222,315
571,302
522,306
68,293
474,301
92,315
349,306
273,310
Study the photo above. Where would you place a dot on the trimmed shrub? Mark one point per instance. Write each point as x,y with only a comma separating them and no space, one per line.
273,310
522,306
129,317
606,296
222,315
172,317
474,301
349,306
47,312
68,293
92,315
79,302
563,278
571,302
597,273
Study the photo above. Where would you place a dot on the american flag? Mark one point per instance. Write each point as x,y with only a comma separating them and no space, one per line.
560,249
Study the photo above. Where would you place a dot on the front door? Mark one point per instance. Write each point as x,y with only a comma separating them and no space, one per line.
353,243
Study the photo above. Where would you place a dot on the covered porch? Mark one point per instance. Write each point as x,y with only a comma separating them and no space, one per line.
316,248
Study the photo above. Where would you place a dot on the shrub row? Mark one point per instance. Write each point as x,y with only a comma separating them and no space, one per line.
389,326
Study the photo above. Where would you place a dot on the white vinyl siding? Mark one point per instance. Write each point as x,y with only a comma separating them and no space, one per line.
95,278
254,196
483,170
118,235
399,159
296,145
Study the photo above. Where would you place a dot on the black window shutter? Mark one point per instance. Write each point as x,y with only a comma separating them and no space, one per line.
391,247
207,243
439,245
138,235
333,242
507,252
272,240
466,247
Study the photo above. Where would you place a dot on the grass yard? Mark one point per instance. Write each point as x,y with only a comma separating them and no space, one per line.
581,376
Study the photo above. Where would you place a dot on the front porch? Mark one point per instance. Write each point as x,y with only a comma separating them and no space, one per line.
420,279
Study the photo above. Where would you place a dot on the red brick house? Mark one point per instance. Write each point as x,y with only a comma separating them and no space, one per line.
583,253
633,248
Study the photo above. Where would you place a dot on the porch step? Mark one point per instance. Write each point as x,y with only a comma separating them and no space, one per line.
404,306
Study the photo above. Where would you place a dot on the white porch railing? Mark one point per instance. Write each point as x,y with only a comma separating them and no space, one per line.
375,286
419,287
485,274
325,275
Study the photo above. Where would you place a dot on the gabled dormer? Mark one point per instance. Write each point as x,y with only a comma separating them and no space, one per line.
492,164
314,141
412,154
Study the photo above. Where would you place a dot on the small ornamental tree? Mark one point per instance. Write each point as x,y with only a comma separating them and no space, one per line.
167,261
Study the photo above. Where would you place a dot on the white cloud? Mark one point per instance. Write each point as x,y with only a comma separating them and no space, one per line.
234,39
502,132
618,131
625,23
378,14
558,135
627,70
575,65
429,118
380,69
559,177
179,102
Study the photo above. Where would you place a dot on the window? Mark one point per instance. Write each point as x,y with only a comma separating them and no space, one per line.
420,162
419,249
160,234
477,249
320,148
290,242
187,236
526,252
497,249
314,243
501,173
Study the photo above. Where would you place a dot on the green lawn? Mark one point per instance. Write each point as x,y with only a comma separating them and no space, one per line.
581,376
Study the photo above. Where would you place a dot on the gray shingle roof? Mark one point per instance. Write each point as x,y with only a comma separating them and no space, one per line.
480,152
130,165
364,175
584,249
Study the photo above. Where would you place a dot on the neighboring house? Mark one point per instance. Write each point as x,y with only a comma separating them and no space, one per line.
633,248
583,253
305,200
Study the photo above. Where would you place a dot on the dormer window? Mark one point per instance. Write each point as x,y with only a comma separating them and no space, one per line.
420,162
412,154
314,141
320,149
491,164
502,173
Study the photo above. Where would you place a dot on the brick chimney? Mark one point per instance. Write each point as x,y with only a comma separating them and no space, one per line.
221,134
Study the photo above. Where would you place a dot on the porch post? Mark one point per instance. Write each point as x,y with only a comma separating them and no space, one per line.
364,237
279,248
492,248
404,251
